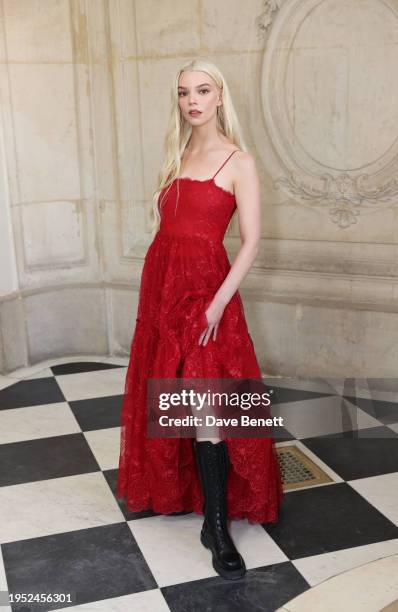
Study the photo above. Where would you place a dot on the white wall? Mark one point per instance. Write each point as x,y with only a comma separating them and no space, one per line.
85,97
8,274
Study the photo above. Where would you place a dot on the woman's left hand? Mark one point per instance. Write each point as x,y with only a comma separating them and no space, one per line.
213,315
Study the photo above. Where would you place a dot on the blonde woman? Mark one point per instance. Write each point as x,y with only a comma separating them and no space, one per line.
191,322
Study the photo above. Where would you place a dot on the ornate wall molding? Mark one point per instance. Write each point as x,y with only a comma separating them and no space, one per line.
343,195
325,159
265,19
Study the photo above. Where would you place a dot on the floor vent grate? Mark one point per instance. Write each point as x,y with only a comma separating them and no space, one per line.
298,470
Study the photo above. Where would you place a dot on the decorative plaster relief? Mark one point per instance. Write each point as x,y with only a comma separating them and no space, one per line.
265,19
344,195
330,105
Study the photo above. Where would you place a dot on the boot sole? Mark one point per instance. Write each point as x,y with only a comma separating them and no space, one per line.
228,575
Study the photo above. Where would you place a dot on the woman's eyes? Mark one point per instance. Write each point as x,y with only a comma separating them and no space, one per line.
200,91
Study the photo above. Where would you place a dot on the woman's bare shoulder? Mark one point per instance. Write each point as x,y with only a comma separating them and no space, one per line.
244,163
244,158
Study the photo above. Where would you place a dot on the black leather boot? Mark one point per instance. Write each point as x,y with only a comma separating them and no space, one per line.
213,464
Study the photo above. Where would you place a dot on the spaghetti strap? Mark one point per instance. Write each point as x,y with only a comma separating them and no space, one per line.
224,163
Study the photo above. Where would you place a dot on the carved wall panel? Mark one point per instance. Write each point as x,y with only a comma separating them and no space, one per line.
330,107
46,97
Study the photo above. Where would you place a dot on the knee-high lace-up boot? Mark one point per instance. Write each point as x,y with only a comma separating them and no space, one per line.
213,464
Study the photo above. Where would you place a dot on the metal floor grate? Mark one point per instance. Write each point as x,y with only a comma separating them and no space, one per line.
298,470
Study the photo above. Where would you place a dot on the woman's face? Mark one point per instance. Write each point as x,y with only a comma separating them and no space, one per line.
198,97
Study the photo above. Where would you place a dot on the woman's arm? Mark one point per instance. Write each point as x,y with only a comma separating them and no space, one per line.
247,194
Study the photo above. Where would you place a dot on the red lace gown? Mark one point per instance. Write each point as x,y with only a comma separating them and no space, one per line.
184,267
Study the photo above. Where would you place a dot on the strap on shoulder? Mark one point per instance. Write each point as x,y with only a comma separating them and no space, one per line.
225,163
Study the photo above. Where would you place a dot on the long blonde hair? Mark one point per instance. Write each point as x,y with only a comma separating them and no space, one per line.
179,130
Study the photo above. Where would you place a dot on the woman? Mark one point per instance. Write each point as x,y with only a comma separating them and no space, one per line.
191,322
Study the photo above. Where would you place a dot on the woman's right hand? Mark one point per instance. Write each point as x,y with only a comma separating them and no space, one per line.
213,316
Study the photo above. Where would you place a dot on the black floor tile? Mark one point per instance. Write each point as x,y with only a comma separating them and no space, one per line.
98,412
31,393
328,518
281,434
111,477
82,366
94,564
386,412
263,589
45,458
358,454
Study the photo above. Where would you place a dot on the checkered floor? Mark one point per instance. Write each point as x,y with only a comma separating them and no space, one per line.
62,530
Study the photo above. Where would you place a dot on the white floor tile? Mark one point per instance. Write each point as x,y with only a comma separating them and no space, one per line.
367,588
56,505
45,373
105,444
34,422
318,568
381,492
255,545
27,371
99,383
394,427
6,381
123,361
179,537
146,601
